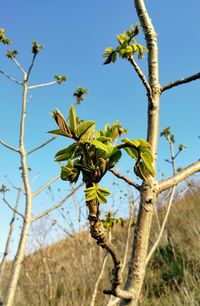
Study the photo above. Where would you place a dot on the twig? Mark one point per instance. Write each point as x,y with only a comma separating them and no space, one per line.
31,66
57,205
9,147
141,75
42,85
127,180
154,247
13,209
180,82
18,65
41,145
49,182
11,78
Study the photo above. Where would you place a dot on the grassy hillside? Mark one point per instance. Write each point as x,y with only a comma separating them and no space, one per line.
65,273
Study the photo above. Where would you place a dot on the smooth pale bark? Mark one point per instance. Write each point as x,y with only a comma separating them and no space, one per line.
148,193
17,263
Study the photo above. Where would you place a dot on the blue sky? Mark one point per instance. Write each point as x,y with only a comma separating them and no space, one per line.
75,34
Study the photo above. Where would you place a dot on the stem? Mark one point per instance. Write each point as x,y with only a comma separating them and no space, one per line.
148,192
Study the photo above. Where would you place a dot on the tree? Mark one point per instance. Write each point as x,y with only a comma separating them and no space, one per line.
94,154
25,188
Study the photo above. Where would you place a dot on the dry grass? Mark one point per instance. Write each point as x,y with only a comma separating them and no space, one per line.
64,274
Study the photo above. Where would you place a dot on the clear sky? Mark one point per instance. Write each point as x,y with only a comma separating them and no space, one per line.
75,34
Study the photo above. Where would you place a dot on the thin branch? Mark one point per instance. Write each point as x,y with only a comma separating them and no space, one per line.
49,182
141,75
178,177
124,178
43,85
31,66
18,65
56,205
9,147
180,82
162,227
13,209
11,78
41,145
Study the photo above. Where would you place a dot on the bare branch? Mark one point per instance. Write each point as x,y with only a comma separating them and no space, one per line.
57,205
124,178
11,78
179,177
13,209
53,179
41,145
162,227
141,75
31,66
18,65
42,85
9,147
180,82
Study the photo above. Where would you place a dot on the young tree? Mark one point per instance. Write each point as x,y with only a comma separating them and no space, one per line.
26,188
94,154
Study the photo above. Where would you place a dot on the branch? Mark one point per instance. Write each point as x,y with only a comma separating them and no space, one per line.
141,75
41,145
53,179
42,85
57,205
31,66
13,209
127,180
180,82
179,177
18,65
11,78
9,147
162,227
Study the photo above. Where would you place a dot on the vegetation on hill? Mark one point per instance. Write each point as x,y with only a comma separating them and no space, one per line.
64,274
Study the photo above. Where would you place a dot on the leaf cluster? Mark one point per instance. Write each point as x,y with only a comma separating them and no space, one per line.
79,94
110,220
93,153
127,46
12,54
36,47
60,78
3,38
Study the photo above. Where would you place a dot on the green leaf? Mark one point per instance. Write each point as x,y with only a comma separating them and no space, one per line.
104,191
133,152
144,143
72,118
99,145
141,170
131,143
101,198
57,132
96,192
83,128
70,152
147,158
114,158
